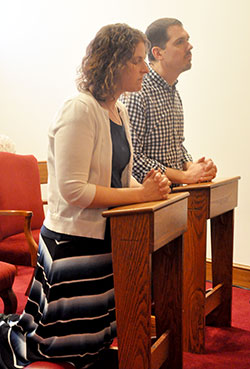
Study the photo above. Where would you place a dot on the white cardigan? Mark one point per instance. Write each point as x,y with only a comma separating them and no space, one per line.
79,158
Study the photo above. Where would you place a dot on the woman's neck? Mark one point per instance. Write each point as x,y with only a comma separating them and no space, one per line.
114,115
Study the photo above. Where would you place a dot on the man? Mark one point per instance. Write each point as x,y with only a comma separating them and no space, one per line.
156,113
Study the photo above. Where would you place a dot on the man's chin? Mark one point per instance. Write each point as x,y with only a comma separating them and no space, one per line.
136,88
187,67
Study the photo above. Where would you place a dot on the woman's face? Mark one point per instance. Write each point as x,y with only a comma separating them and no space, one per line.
131,76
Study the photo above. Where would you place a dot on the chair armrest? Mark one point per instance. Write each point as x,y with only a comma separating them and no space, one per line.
27,214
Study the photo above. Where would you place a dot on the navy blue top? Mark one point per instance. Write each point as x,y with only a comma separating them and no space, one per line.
121,153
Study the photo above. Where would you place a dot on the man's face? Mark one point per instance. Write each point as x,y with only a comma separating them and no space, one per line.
177,53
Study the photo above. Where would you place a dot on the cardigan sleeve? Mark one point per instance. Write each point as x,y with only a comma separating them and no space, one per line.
74,135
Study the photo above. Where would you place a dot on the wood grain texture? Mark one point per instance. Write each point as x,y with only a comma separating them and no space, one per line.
146,207
43,171
160,351
223,199
214,200
222,228
174,219
213,298
132,281
135,264
217,182
194,273
167,289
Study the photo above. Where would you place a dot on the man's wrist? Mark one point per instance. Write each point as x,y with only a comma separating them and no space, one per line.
184,176
187,164
177,176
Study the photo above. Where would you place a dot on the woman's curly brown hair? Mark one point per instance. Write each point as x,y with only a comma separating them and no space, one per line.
106,55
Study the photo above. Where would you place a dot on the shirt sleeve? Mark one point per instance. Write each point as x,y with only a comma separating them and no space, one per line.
74,143
186,156
142,164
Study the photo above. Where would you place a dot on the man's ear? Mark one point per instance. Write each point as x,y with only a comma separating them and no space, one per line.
157,52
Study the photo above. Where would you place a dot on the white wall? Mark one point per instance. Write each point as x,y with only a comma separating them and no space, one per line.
42,42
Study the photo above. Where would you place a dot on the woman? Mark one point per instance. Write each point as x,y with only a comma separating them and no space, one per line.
70,314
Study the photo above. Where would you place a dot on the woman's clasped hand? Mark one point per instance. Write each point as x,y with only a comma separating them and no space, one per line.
156,185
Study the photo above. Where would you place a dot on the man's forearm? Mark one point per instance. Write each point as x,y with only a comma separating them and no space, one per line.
187,164
176,176
193,172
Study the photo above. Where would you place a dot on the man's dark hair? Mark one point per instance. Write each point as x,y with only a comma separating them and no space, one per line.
157,33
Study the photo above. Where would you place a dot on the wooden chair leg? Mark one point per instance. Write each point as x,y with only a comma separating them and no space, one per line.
10,301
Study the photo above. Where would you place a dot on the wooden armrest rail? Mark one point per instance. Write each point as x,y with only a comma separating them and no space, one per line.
27,214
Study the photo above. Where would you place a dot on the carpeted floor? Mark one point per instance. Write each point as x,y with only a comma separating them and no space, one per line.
226,348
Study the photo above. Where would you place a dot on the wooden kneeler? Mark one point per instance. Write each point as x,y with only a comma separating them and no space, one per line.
214,201
147,242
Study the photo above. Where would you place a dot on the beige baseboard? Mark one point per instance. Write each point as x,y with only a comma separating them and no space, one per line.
241,274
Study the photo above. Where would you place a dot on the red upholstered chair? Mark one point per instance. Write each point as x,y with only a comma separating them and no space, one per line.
7,277
21,208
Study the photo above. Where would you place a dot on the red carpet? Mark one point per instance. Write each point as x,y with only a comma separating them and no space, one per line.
226,348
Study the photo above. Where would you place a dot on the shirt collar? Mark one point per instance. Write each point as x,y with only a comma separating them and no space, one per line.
159,80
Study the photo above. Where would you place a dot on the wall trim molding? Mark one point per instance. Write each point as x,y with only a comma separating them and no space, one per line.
241,274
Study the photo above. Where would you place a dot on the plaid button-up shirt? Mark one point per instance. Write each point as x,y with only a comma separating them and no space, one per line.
157,126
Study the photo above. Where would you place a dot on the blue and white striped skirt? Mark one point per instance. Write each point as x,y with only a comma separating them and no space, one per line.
70,312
